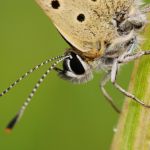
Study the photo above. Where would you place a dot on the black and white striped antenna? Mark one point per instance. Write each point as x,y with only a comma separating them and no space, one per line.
28,73
17,117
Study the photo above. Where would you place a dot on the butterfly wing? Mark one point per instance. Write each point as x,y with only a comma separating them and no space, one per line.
83,23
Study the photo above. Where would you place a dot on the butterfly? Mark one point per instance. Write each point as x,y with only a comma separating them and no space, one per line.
102,35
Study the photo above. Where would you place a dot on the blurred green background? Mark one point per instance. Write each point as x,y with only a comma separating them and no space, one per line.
62,116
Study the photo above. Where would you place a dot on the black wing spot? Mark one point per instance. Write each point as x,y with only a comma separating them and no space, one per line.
55,4
81,17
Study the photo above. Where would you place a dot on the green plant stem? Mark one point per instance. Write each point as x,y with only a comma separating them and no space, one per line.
133,129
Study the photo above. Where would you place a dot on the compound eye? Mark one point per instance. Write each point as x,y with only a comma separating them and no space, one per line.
76,65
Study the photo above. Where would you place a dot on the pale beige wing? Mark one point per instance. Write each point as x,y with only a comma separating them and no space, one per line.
83,23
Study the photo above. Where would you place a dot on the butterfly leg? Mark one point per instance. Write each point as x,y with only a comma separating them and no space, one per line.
107,96
134,56
133,97
114,73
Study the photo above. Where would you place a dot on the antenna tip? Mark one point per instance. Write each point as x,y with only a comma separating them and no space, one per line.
11,124
8,130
